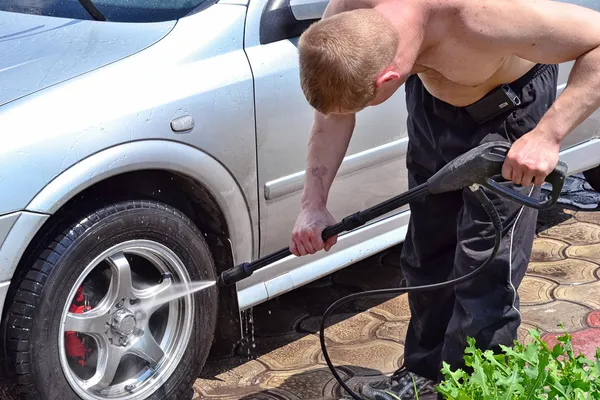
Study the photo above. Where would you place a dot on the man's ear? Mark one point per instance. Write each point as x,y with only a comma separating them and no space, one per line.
386,76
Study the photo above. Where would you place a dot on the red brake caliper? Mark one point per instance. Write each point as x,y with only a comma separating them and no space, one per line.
74,344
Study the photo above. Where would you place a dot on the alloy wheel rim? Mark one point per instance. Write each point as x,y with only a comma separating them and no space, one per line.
121,326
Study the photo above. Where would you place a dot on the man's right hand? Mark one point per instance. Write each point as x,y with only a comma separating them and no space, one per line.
306,235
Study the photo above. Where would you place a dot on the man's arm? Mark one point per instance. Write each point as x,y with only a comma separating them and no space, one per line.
328,143
553,32
548,32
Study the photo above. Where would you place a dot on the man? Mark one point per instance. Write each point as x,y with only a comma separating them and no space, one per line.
453,56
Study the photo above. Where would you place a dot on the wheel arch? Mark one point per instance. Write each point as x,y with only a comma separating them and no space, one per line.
162,155
206,192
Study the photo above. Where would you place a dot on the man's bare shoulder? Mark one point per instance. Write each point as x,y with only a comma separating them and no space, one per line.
338,6
545,31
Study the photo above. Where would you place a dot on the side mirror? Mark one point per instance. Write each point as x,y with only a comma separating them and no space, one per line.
286,19
308,9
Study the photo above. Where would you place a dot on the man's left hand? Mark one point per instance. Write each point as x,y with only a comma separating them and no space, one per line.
531,159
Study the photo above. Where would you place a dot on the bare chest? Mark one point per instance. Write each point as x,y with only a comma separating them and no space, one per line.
456,63
461,74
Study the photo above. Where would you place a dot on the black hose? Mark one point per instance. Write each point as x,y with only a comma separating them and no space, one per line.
497,223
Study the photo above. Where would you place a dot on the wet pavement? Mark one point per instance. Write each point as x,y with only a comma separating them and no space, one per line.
365,339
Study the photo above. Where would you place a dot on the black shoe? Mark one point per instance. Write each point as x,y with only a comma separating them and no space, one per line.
400,386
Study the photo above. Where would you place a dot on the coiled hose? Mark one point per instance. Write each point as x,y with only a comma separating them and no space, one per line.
496,222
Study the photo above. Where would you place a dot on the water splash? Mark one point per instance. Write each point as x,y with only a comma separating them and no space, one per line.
252,341
177,291
247,342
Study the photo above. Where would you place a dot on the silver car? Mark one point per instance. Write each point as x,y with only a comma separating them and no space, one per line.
147,144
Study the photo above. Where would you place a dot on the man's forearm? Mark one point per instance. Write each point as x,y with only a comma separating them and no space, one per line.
328,143
578,101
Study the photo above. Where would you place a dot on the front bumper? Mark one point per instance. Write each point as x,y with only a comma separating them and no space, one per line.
16,232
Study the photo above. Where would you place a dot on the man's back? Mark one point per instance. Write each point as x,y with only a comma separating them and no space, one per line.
462,49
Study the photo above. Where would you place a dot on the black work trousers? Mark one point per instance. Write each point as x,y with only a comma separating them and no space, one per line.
450,234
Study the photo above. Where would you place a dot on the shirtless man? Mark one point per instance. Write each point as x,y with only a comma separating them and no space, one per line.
450,55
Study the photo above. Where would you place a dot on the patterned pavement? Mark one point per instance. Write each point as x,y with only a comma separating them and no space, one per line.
283,361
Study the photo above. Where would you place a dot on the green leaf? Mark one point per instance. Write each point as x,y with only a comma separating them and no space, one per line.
543,362
558,390
393,395
511,384
478,377
524,373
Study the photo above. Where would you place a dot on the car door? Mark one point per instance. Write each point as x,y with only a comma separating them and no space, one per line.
374,168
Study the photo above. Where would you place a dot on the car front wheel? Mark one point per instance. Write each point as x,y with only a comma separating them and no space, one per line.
99,314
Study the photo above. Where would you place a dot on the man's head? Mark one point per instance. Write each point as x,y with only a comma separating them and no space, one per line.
347,61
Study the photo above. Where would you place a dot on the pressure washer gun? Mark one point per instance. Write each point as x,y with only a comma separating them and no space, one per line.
479,166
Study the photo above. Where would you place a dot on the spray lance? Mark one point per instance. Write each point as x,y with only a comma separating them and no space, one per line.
481,166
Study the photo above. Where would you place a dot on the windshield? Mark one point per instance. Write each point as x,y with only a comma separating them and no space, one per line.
112,10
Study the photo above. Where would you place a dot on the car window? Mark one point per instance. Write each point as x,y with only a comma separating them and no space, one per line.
112,10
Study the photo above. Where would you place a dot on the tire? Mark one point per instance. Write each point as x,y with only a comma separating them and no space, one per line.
32,327
593,178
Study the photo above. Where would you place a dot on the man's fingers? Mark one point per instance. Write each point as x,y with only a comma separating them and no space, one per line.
330,242
316,241
301,248
527,179
294,248
539,180
308,245
507,170
517,176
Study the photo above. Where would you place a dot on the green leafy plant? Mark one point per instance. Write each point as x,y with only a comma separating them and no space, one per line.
524,373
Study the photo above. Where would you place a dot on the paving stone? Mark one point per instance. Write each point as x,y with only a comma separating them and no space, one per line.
589,252
395,331
534,290
549,316
395,308
378,355
579,233
296,351
356,382
272,394
585,341
565,271
593,319
230,393
235,372
523,335
274,320
546,249
549,218
588,294
591,217
344,328
305,384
